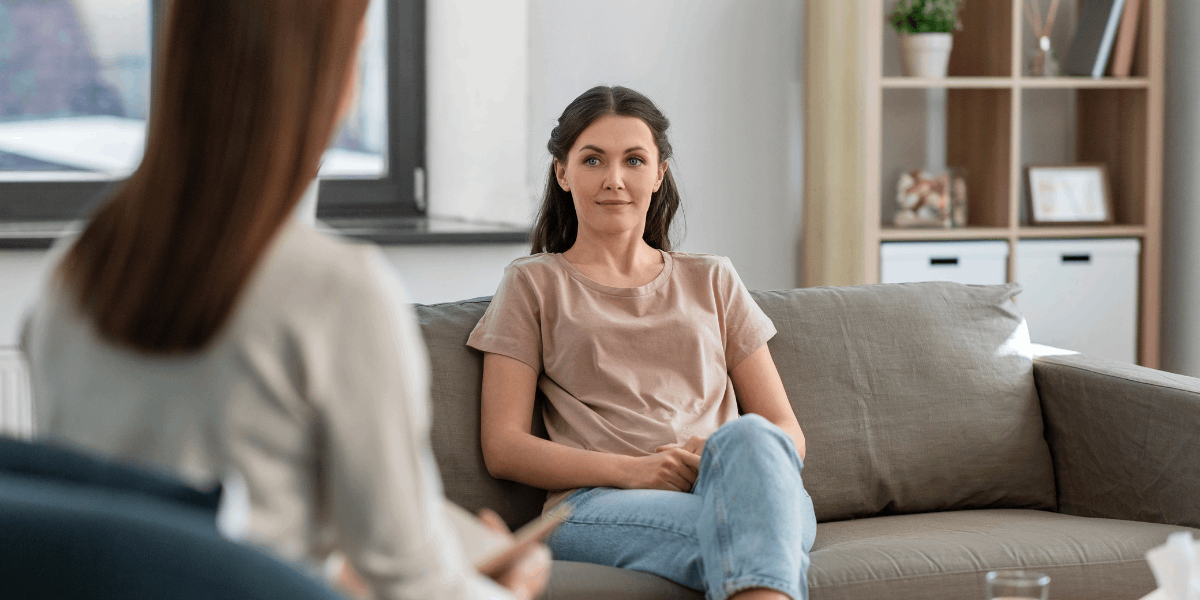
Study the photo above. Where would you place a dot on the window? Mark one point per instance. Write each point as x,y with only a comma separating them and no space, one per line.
75,103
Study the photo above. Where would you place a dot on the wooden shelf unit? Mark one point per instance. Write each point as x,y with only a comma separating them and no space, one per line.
855,108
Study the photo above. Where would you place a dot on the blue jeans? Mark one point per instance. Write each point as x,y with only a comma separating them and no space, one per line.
747,523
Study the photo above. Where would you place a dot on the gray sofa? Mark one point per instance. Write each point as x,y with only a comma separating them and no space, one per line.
939,448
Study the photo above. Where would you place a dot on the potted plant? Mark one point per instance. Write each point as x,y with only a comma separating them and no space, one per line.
925,28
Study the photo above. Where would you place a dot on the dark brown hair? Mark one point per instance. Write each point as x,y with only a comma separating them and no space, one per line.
557,224
245,102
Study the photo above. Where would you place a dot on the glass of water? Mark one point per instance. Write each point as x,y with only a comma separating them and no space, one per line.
1017,585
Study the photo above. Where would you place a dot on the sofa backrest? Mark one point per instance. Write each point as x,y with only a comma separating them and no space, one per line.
456,383
913,398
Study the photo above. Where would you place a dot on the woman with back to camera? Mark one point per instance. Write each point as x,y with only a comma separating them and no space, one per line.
645,356
197,325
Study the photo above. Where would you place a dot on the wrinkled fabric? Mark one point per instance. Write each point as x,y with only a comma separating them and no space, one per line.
1125,439
913,397
946,555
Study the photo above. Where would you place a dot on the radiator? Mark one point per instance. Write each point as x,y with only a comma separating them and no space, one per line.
16,396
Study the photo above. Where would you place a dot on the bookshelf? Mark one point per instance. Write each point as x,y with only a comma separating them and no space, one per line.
862,118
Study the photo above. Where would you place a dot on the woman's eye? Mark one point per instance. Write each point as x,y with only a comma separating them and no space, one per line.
635,161
591,161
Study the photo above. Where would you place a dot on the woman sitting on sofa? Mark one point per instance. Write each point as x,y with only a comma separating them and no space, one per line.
645,356
199,325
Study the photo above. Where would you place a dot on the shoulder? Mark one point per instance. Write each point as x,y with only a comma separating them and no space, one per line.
544,261
309,273
699,264
536,269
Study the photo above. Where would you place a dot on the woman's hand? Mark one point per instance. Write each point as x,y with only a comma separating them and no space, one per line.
528,576
695,445
670,468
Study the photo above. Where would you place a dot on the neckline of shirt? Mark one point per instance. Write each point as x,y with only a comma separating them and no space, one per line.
649,288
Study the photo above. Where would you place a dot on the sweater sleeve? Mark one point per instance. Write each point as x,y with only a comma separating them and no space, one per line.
382,484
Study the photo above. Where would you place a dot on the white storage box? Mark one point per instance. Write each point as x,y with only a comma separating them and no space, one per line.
1081,295
980,263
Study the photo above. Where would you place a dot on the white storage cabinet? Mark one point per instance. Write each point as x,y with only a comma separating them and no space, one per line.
978,263
1081,294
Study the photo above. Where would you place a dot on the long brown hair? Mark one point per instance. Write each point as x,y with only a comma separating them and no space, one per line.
245,102
557,224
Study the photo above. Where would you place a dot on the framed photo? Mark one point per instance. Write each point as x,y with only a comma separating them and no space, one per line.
1069,194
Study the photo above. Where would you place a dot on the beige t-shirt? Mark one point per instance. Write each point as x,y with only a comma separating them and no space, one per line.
626,370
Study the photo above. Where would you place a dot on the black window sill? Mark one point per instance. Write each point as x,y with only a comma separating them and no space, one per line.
406,231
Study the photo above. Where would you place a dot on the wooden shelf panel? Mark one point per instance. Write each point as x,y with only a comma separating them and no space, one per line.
1081,231
1070,83
891,234
947,82
917,234
1084,83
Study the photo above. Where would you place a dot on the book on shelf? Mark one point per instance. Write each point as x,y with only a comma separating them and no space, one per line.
1122,61
1094,35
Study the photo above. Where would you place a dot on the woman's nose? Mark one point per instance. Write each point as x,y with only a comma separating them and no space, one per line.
613,179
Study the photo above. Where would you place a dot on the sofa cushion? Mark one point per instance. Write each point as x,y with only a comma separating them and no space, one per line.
457,379
913,397
930,557
946,555
585,581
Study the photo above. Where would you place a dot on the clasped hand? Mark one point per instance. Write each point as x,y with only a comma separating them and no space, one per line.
672,467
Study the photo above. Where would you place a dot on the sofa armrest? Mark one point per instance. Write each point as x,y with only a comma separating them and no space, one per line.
1125,439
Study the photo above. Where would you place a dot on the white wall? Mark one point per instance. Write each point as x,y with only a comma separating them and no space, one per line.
1181,251
20,274
436,273
727,74
477,107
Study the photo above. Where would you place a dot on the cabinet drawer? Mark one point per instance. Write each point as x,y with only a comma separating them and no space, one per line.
1081,294
980,263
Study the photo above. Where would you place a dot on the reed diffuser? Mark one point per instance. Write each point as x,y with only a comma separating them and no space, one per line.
1043,63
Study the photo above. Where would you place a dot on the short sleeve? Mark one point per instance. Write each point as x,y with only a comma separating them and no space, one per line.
512,324
747,327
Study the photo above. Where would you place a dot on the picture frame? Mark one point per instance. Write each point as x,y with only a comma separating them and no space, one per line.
1069,194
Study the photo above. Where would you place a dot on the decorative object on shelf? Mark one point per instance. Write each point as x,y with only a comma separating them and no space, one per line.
924,199
925,28
1069,194
1043,63
1122,61
1094,35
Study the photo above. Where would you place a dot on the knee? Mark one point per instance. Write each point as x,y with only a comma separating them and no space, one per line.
751,430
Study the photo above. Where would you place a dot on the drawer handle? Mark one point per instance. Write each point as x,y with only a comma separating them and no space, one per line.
1077,258
950,261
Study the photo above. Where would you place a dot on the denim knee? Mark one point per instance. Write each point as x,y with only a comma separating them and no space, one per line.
753,431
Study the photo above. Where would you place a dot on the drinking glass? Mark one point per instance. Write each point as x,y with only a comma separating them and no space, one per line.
1017,585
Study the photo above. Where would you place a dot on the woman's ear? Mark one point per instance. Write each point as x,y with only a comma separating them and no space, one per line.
560,173
662,172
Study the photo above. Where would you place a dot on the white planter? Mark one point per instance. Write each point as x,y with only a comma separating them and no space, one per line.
926,54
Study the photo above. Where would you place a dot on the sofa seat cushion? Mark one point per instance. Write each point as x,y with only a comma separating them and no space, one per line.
583,581
947,554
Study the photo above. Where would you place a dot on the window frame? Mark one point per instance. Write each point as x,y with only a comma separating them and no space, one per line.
395,195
